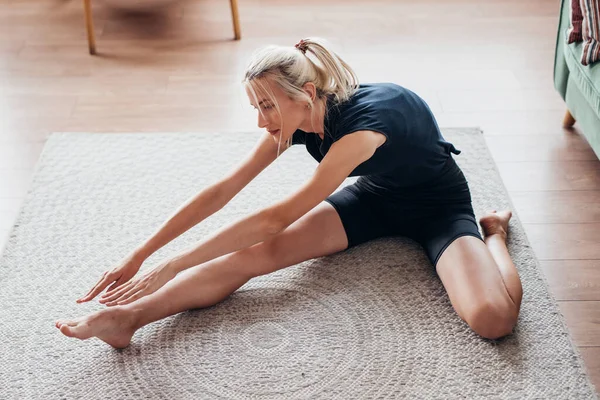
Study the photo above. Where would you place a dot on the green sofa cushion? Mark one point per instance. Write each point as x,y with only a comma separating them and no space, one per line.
586,76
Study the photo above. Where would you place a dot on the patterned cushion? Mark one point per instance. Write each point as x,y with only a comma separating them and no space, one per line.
590,10
574,32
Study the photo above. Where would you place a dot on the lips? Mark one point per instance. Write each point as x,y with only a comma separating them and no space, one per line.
274,132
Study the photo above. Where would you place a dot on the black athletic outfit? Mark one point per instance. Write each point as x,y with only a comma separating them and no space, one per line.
411,186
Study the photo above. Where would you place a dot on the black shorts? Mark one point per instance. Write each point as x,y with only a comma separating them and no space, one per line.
433,214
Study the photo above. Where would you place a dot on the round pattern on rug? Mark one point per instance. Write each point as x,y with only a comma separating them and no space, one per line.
284,338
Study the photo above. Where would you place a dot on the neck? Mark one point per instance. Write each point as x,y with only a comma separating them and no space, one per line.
315,120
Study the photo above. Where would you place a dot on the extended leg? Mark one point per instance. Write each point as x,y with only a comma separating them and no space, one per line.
320,232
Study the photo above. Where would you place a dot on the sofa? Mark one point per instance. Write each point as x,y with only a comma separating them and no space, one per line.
578,85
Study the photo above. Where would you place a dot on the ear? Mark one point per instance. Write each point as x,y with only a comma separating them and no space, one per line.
311,90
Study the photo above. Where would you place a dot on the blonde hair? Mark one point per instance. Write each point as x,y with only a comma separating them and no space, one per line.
291,67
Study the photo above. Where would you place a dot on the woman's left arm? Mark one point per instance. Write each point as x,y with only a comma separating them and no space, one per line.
341,159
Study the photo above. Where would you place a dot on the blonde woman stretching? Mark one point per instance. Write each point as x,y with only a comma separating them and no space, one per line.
409,184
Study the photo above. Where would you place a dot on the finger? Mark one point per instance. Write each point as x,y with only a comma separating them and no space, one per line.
104,280
102,283
117,293
114,286
83,298
126,295
118,289
132,298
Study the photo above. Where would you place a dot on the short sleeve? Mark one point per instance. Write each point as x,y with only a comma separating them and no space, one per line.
367,118
299,137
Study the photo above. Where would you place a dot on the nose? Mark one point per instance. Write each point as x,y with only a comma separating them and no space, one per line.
262,121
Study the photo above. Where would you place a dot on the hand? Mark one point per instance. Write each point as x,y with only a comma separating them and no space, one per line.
136,288
118,275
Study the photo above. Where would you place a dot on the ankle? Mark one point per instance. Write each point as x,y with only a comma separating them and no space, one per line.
498,235
134,316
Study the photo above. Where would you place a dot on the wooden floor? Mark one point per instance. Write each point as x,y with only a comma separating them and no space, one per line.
486,64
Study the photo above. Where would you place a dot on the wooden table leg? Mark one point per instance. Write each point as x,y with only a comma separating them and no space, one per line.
89,22
568,121
236,19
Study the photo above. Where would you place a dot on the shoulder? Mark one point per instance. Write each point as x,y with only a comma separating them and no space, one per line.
369,98
380,90
373,107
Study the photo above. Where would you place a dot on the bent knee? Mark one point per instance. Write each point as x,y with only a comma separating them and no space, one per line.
492,320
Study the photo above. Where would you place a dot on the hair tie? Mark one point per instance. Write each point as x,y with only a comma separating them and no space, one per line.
302,46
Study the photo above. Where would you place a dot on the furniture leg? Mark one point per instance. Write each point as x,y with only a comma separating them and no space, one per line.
568,121
236,19
90,26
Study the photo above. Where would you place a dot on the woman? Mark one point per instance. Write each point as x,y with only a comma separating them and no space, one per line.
409,185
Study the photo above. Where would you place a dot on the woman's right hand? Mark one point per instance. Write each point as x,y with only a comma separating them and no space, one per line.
117,276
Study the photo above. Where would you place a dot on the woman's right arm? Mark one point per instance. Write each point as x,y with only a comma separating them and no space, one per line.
192,212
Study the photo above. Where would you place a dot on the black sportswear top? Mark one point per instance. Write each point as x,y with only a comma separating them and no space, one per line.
414,151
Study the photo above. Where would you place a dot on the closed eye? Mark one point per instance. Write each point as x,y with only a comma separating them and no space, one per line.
264,107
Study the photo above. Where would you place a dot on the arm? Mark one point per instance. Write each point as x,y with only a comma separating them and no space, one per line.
343,157
211,199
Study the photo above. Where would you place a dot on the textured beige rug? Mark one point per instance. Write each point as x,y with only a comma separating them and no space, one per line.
371,322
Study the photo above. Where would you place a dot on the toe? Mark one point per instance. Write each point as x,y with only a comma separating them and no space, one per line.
506,213
78,332
66,330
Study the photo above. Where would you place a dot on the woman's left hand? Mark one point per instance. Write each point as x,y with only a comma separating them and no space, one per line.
142,286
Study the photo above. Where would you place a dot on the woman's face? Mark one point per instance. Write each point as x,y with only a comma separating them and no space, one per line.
293,112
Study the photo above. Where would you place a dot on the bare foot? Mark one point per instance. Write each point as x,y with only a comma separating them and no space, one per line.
495,223
114,326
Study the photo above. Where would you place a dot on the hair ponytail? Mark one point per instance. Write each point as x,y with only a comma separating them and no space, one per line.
337,78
